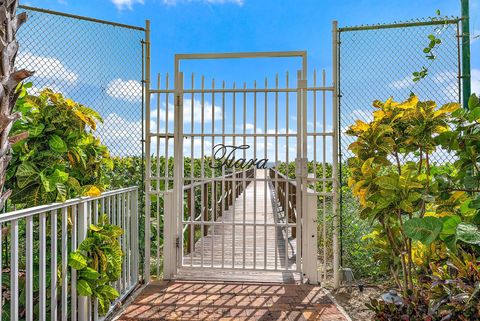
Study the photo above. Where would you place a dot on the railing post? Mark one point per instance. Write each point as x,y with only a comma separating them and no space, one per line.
291,210
189,211
134,235
309,239
82,234
205,208
170,232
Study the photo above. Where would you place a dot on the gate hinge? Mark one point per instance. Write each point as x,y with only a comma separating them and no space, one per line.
177,242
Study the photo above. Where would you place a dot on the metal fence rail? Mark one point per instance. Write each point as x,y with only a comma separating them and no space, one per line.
41,286
95,62
377,62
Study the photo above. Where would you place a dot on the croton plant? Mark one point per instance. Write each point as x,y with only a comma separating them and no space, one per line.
426,215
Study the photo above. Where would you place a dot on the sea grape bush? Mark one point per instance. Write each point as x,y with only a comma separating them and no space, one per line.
61,158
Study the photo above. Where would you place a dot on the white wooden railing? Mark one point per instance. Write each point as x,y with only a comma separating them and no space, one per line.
50,233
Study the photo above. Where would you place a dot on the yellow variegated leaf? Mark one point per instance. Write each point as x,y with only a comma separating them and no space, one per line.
93,191
361,197
441,129
378,115
377,104
80,115
359,126
457,195
444,214
357,186
367,166
409,103
70,103
351,181
447,108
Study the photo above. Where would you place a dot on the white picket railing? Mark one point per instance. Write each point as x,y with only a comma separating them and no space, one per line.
57,230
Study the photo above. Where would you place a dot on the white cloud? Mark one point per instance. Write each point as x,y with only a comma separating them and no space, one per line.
476,81
46,67
34,90
402,83
128,90
126,4
187,112
443,77
174,2
120,135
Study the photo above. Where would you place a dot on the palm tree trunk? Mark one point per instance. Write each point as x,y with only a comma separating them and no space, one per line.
9,78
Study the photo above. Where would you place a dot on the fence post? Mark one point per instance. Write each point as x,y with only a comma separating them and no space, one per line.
466,77
309,239
146,267
82,234
169,235
335,174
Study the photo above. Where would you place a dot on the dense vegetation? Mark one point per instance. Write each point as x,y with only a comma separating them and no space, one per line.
426,220
61,158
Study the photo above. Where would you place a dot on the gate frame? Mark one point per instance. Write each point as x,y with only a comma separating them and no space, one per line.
174,199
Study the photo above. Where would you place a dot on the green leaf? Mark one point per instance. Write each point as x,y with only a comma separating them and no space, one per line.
89,273
59,176
62,192
26,174
77,260
468,233
83,288
406,206
57,144
451,243
474,114
108,292
473,102
450,226
26,169
36,130
387,182
425,230
471,182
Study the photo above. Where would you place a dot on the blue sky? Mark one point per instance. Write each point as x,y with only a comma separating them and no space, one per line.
196,26
254,25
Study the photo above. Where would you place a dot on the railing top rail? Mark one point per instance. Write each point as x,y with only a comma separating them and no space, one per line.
282,176
213,179
15,215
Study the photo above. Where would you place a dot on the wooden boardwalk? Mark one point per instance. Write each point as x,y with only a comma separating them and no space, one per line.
248,239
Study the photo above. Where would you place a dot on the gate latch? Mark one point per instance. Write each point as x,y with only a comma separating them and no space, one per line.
301,169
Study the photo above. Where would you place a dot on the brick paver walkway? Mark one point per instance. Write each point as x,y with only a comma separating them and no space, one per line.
232,301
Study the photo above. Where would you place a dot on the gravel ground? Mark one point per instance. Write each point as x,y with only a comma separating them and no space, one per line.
353,301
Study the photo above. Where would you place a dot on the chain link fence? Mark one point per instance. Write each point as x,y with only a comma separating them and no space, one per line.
377,62
97,63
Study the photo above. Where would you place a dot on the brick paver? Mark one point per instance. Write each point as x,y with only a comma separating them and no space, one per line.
209,301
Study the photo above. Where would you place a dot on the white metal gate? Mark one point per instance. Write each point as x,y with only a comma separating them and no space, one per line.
246,192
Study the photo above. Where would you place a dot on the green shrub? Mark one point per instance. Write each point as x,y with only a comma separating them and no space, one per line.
61,158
